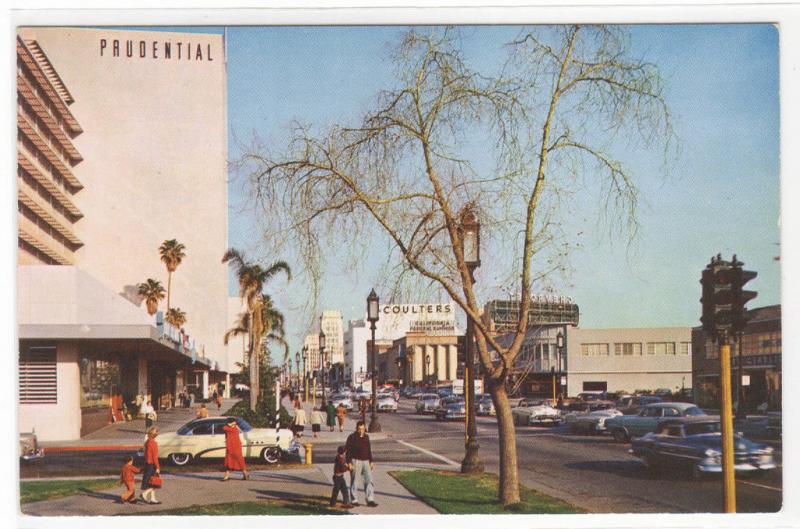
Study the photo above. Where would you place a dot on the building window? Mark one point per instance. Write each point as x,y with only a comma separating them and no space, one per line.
37,376
661,348
628,349
686,348
711,350
594,349
100,380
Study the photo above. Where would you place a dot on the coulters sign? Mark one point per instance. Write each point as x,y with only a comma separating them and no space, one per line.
153,49
433,319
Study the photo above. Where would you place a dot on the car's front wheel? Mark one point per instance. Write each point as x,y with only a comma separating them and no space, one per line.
271,455
180,459
620,435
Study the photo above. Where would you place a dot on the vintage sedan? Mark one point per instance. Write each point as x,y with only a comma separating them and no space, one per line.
484,405
590,422
695,443
387,403
426,403
205,438
340,398
450,408
535,412
624,427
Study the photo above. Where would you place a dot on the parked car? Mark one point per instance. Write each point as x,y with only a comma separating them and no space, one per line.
450,408
535,412
631,404
387,403
426,403
484,405
624,427
340,398
590,422
695,443
29,449
204,438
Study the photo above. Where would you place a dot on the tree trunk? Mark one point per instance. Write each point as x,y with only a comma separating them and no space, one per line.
169,287
252,357
508,492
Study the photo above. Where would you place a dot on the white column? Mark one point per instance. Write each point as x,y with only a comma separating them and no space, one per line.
227,385
205,384
419,360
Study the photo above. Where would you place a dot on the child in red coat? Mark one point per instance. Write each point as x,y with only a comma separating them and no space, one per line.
126,478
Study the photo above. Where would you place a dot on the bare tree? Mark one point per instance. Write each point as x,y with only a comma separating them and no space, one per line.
406,168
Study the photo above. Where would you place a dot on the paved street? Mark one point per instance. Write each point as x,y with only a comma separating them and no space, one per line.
593,472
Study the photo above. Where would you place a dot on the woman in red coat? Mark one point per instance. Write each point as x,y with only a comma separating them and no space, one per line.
152,467
234,460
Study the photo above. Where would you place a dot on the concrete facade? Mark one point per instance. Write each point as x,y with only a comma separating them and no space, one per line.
629,359
355,350
154,136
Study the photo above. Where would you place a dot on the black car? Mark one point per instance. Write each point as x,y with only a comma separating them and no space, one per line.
695,443
450,408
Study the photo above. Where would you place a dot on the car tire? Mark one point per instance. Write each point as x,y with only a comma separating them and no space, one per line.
620,435
696,473
592,430
180,460
271,455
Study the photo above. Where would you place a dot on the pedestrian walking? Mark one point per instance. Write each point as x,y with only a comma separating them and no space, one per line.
202,413
340,467
299,419
341,415
359,455
316,421
151,478
362,408
330,410
150,415
126,478
234,460
218,400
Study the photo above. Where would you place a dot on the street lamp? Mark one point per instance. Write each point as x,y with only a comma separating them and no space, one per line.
470,235
427,368
322,359
297,370
305,373
559,350
373,303
400,376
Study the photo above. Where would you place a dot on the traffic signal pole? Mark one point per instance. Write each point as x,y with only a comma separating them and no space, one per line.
726,418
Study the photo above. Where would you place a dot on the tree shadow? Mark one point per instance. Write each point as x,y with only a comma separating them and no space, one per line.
630,469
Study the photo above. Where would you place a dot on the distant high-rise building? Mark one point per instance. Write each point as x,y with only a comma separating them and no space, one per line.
331,325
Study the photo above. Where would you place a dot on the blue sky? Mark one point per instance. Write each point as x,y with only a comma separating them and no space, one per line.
721,193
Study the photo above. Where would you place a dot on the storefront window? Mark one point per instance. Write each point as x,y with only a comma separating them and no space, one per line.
100,380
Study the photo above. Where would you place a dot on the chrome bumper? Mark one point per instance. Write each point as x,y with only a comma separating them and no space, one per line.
33,455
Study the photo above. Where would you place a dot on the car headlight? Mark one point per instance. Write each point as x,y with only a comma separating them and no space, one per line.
710,452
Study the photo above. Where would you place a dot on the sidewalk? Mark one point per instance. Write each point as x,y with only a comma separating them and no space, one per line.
185,490
130,435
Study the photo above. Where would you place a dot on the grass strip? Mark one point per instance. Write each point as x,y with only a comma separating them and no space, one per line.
30,491
302,507
455,493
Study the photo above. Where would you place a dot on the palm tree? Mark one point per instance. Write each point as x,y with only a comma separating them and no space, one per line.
176,317
262,319
152,292
172,254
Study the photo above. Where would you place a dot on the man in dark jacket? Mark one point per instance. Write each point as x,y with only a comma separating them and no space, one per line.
359,454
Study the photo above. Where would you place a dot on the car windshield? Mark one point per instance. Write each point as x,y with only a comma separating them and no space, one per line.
430,397
702,427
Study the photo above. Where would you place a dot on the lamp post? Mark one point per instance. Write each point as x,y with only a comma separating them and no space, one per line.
400,376
322,361
427,369
297,370
305,373
373,303
559,350
470,235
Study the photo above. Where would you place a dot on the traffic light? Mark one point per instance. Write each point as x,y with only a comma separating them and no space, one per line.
707,319
717,280
740,297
